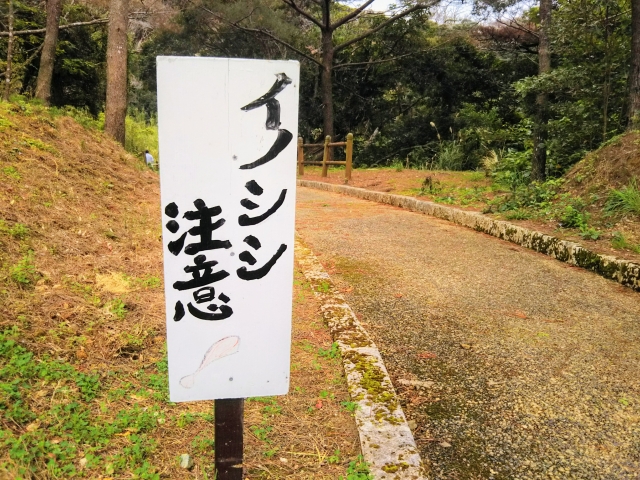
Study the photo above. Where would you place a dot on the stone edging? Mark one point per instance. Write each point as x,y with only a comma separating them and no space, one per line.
622,271
385,438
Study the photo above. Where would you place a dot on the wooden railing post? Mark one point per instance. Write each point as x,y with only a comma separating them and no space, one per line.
325,155
300,157
347,170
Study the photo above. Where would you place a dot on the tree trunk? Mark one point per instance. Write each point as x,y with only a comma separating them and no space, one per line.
47,58
327,83
634,90
539,162
116,107
7,75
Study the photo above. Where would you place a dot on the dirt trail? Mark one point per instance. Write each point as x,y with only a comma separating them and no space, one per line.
530,367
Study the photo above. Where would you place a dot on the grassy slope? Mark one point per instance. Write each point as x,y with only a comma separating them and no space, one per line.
83,389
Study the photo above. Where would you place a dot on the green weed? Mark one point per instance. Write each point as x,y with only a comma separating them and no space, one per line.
574,217
324,394
148,281
24,272
518,214
185,418
333,352
358,470
476,176
261,432
271,452
397,166
18,231
590,233
70,423
12,173
350,407
335,458
624,201
39,145
141,134
80,115
4,123
620,242
430,186
117,308
202,444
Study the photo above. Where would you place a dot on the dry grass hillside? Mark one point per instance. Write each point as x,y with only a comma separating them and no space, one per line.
80,229
612,166
83,384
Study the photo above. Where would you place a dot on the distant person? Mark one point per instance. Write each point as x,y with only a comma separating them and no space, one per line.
148,158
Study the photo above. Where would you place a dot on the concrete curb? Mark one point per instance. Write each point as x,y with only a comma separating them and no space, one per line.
385,438
622,271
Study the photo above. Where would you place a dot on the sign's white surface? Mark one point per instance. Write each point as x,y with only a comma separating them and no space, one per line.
227,134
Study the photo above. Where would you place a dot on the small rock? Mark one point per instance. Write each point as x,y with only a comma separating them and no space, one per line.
186,461
445,444
412,424
466,346
283,460
415,383
32,427
83,462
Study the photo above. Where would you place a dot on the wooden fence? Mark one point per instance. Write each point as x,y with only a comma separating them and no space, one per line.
325,156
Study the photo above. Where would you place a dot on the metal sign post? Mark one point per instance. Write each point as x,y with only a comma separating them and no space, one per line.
227,177
228,438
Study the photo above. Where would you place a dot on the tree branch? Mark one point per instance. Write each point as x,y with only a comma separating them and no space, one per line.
262,32
29,59
61,27
516,26
420,6
373,62
351,15
308,16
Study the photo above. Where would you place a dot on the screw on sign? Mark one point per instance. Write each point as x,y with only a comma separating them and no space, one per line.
228,193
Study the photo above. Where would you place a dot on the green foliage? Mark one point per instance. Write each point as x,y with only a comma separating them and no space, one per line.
450,157
624,201
261,432
350,407
335,458
118,308
24,272
619,241
11,172
513,169
79,68
333,352
51,438
358,470
574,216
148,281
141,134
38,145
588,86
18,231
81,115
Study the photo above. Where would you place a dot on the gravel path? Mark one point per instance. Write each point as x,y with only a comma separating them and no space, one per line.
510,363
